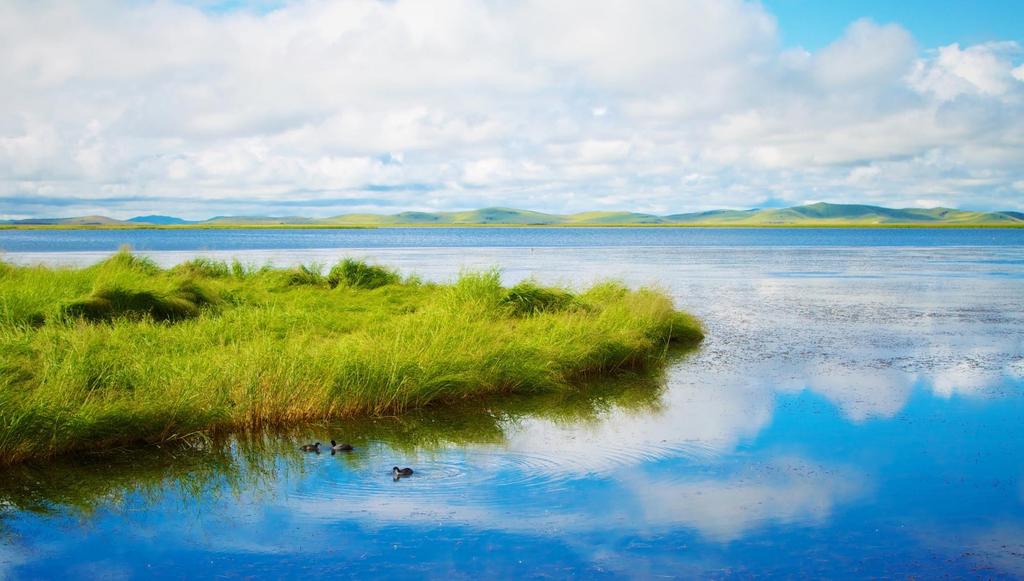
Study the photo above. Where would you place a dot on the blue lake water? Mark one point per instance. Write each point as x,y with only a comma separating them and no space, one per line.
237,239
856,411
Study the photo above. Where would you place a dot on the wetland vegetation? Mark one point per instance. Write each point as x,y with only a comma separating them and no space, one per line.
124,352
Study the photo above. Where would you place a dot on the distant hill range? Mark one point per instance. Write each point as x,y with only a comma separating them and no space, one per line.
822,214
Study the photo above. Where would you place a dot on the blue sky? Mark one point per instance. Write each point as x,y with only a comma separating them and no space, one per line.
815,23
127,107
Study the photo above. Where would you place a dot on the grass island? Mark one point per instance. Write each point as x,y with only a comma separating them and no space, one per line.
124,352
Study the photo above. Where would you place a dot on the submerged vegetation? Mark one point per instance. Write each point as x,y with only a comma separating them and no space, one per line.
124,352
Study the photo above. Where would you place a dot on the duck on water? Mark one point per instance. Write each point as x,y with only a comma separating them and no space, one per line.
336,447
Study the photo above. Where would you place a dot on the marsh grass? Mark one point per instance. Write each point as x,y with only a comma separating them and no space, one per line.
529,298
106,303
358,274
123,352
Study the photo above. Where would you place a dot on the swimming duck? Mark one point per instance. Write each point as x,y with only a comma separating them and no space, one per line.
336,447
310,447
400,472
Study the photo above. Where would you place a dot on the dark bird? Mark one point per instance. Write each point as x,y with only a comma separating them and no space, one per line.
336,447
310,447
400,472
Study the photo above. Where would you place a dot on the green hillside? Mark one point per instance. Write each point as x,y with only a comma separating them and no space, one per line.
256,220
724,216
504,216
484,216
613,218
157,219
75,221
848,215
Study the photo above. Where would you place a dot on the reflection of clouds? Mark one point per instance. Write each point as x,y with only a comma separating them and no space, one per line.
715,409
696,421
964,378
973,366
788,491
783,491
412,508
861,393
863,343
707,411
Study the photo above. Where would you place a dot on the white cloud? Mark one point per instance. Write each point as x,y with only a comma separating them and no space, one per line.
984,69
574,102
867,55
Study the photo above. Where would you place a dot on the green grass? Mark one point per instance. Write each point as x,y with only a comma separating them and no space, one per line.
123,352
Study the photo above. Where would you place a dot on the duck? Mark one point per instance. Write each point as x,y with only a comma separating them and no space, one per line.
310,447
400,472
336,447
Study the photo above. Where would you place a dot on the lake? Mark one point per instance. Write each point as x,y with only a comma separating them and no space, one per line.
856,411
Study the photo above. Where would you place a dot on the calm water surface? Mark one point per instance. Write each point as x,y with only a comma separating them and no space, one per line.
855,411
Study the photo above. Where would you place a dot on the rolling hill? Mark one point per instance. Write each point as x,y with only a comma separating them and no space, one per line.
159,220
847,215
820,214
255,221
506,216
75,221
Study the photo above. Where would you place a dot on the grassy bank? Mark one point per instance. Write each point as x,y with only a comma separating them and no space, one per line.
124,352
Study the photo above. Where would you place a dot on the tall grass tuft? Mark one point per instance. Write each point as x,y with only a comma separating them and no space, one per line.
305,274
107,303
528,298
124,352
358,274
204,268
125,260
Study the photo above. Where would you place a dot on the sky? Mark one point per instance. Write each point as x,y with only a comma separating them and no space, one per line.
209,107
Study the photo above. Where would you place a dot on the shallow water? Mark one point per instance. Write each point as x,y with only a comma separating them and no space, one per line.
855,411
